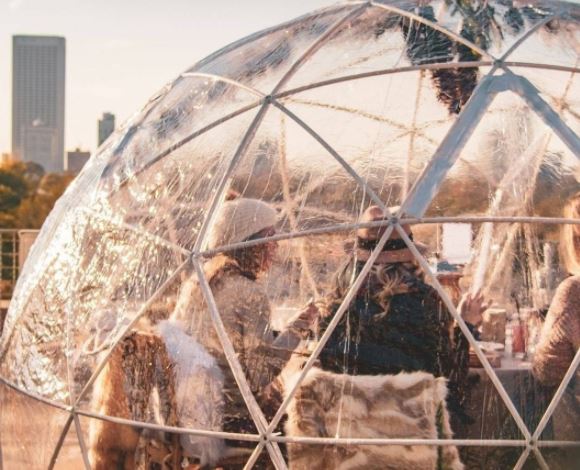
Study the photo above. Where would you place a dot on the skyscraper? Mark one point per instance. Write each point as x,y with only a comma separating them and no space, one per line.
38,80
76,160
106,126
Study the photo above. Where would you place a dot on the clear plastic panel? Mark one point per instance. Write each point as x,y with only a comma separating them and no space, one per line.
561,458
571,106
494,27
192,105
518,269
373,41
561,89
261,458
70,456
286,167
170,369
34,340
54,232
121,273
113,445
558,87
261,61
555,43
485,457
488,416
512,165
170,199
104,276
533,462
563,424
327,457
473,457
389,150
29,430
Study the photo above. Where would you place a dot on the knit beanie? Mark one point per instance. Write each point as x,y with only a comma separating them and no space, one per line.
239,219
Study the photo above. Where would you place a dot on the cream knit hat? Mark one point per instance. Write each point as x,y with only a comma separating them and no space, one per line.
238,220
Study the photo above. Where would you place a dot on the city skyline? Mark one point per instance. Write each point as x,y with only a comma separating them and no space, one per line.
115,63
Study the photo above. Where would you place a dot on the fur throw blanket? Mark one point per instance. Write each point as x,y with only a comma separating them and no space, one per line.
199,397
163,376
137,371
406,405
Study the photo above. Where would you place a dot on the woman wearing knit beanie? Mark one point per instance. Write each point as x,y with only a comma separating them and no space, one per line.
244,307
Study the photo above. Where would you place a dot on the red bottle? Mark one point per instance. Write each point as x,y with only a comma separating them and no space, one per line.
519,337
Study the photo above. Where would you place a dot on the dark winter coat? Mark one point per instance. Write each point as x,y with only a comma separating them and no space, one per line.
396,323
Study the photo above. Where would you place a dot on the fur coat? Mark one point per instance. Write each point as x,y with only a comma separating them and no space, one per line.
406,405
245,312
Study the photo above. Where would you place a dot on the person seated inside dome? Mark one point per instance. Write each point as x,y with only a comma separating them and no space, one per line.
560,335
396,322
244,308
200,389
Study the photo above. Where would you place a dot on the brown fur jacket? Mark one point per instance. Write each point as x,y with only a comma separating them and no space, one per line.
245,311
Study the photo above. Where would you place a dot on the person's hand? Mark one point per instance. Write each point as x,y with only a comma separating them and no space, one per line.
471,308
271,398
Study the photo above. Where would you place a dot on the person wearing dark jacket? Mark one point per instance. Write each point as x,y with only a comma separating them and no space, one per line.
396,322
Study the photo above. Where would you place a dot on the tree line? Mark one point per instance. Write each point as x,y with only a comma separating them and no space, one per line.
28,194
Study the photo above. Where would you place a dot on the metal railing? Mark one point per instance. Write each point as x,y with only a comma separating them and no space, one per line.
9,245
14,247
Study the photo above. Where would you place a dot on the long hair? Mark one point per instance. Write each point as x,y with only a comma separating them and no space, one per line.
383,282
247,261
570,237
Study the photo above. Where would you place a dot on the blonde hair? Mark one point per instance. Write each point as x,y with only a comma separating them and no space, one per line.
570,237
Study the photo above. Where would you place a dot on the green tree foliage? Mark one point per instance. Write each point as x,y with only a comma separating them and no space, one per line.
34,209
28,194
13,188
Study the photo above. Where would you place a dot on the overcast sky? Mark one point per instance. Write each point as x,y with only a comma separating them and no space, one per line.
120,52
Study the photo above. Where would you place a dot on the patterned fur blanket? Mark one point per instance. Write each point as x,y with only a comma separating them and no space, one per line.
163,377
137,370
406,405
199,397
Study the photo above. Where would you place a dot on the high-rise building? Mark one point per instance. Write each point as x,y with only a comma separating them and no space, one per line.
106,126
76,159
38,83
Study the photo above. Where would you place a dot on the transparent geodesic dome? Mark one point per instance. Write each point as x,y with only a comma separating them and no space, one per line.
449,112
